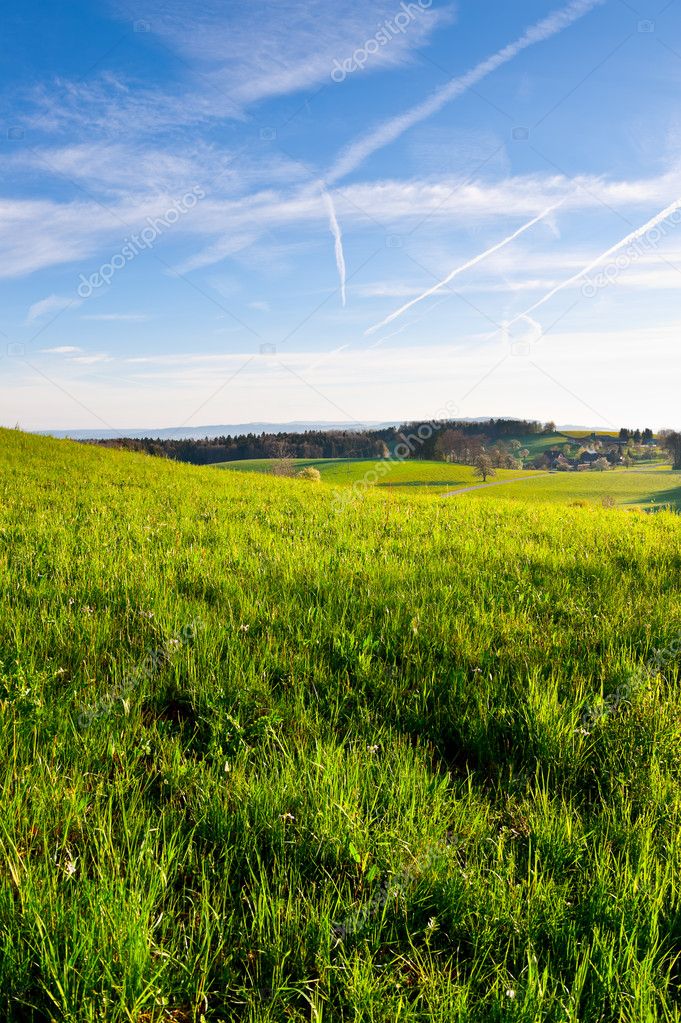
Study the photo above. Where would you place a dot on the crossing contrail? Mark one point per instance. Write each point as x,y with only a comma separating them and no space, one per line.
465,266
362,148
334,227
632,237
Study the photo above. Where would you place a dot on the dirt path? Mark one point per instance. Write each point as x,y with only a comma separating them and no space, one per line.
497,483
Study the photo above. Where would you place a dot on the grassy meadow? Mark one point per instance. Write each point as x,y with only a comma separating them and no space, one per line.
649,485
267,760
363,472
644,488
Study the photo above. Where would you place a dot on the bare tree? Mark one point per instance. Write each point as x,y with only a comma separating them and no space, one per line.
450,445
283,467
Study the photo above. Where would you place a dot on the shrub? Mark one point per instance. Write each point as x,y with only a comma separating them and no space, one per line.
283,467
309,473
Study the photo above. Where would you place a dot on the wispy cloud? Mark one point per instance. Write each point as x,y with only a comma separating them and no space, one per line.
49,305
231,56
91,360
117,317
240,223
61,350
245,53
136,167
77,355
36,234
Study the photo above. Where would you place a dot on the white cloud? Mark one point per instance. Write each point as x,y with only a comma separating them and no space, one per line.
167,389
266,49
118,317
390,289
232,56
75,355
36,234
49,305
239,223
109,106
61,350
230,245
138,168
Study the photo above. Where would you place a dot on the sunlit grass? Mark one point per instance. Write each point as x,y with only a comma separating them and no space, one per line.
361,472
649,485
645,488
354,782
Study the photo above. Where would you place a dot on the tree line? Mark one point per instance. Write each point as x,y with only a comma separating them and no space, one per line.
460,441
420,437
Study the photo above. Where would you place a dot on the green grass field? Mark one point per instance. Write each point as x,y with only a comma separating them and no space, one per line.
648,486
648,489
536,443
415,760
362,473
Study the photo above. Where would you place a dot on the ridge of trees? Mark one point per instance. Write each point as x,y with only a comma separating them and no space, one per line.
450,440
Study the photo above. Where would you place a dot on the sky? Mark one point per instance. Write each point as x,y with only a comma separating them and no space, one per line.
278,210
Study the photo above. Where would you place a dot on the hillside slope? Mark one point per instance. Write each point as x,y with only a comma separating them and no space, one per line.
266,761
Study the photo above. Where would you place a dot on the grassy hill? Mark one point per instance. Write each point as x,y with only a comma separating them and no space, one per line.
415,760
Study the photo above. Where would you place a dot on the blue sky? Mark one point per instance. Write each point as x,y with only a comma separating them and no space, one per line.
217,212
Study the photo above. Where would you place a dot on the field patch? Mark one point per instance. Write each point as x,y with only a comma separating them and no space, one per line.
387,473
647,489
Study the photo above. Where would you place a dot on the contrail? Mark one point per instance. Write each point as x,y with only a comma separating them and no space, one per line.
465,266
358,151
632,237
536,328
334,227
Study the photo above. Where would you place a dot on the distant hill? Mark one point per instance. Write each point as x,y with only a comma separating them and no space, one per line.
233,430
201,432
